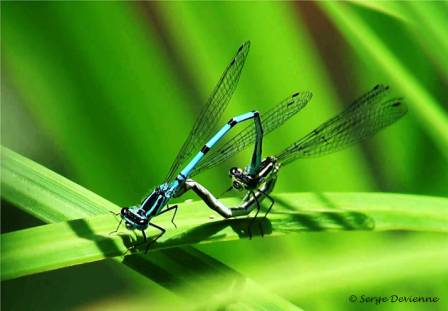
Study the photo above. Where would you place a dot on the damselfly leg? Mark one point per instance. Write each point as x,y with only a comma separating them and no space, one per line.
146,240
162,232
174,207
256,214
118,227
119,223
267,196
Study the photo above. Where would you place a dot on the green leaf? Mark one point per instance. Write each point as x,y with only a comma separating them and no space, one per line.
45,194
101,76
53,198
59,245
363,259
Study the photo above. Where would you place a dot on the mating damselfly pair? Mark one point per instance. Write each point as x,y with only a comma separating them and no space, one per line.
363,118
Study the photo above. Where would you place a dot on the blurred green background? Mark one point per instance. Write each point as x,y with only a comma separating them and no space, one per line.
105,93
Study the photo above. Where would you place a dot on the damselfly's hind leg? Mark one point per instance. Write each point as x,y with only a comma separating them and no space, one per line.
256,214
271,200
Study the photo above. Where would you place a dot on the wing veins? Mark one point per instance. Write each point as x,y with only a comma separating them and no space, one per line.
270,120
212,111
363,118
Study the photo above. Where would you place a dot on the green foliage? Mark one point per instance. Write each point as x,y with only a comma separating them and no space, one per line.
45,194
89,239
54,199
105,93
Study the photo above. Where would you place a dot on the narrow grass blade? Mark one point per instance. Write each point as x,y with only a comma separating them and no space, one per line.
59,245
45,194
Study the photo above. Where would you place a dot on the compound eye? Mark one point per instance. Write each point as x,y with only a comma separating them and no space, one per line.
236,185
234,171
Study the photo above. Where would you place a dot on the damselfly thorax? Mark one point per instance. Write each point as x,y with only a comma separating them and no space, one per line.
243,180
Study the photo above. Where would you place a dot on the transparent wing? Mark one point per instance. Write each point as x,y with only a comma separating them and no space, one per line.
212,111
363,118
270,120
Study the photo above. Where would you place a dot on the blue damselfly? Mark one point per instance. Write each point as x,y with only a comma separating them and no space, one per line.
175,184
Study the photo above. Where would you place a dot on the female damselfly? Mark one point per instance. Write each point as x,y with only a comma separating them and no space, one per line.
366,116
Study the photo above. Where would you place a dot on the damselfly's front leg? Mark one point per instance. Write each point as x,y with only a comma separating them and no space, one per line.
119,223
146,240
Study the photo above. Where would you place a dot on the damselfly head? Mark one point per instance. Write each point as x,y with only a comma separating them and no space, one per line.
132,219
237,176
235,172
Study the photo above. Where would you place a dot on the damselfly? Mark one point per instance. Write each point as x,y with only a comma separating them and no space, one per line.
366,116
156,203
